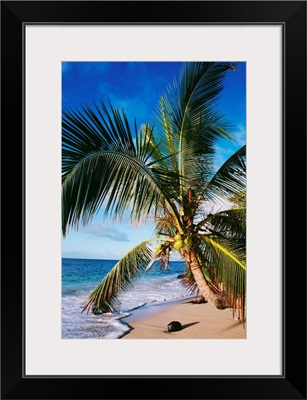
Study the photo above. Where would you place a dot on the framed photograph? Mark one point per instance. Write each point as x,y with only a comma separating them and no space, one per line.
72,69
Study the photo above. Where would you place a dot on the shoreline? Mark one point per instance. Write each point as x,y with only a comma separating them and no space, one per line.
198,320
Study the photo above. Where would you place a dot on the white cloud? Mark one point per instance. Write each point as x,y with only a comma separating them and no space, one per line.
101,230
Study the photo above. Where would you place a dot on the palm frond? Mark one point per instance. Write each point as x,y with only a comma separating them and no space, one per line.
227,267
86,130
225,251
165,225
230,178
189,120
105,295
112,177
230,225
168,133
100,163
226,223
162,253
148,147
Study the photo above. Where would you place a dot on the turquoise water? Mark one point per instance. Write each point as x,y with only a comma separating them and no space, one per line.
80,276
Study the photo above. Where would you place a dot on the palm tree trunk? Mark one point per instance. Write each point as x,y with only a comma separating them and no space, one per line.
218,300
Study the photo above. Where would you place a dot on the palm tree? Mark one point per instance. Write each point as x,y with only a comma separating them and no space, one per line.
167,172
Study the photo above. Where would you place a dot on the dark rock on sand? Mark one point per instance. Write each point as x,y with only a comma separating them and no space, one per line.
174,326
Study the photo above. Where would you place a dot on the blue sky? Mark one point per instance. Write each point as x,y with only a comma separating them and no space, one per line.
136,87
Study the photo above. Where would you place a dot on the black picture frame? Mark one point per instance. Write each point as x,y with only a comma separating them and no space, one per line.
292,383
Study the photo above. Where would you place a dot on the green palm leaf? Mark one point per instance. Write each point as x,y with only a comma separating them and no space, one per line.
101,164
165,225
227,266
105,295
229,179
86,131
189,121
229,223
111,176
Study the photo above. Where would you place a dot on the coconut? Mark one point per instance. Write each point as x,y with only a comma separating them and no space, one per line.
177,237
159,247
178,244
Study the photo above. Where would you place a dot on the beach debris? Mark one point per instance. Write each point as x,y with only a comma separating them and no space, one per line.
174,326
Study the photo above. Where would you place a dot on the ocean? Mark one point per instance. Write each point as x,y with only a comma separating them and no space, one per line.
79,278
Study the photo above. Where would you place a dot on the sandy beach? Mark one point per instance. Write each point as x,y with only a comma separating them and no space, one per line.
199,321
